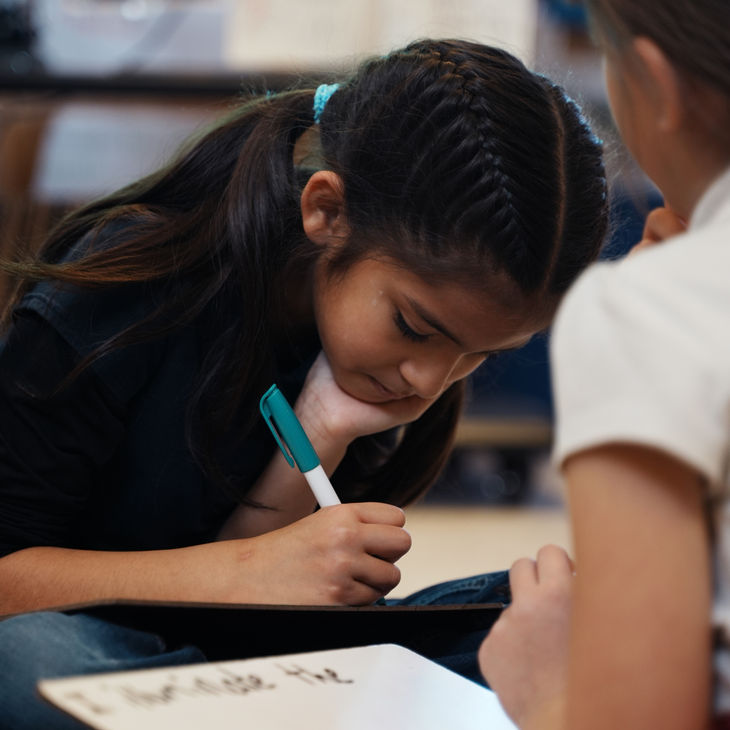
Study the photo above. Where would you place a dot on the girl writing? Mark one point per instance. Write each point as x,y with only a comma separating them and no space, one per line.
365,246
641,365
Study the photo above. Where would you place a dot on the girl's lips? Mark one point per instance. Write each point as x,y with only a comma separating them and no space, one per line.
386,392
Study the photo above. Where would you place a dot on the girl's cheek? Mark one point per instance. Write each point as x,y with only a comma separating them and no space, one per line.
468,367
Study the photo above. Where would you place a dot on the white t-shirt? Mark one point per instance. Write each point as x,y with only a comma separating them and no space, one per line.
641,354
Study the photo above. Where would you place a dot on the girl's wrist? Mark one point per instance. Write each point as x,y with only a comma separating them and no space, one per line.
329,445
322,425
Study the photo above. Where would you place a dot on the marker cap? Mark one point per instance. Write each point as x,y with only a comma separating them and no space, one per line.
288,432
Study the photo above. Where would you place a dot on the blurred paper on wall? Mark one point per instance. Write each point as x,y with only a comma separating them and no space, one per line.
98,37
511,25
91,149
276,35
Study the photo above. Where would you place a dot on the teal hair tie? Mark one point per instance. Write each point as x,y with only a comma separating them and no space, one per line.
321,97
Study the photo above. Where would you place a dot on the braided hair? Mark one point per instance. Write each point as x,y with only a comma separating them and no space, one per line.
474,162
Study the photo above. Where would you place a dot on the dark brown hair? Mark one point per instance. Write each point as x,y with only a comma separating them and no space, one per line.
694,34
457,161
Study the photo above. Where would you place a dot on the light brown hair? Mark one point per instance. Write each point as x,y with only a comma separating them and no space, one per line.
694,34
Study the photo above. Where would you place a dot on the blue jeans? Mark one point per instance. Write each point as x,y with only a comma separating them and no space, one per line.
35,646
40,645
460,654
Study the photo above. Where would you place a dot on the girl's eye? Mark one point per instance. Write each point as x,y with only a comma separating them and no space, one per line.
406,329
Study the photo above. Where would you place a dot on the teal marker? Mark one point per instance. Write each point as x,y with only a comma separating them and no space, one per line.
295,445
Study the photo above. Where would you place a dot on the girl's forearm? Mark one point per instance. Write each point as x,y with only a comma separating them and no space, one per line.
43,577
285,497
283,491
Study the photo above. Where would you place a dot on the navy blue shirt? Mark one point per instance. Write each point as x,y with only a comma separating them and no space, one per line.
104,464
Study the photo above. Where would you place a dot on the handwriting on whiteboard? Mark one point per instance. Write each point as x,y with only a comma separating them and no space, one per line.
218,681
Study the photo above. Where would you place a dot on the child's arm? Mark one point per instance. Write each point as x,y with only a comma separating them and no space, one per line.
640,640
332,420
340,555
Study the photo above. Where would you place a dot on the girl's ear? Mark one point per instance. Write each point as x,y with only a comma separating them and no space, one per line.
663,85
323,209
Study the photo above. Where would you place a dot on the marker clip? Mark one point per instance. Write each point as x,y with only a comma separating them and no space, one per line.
267,413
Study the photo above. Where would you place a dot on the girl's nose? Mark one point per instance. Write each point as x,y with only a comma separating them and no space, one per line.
428,377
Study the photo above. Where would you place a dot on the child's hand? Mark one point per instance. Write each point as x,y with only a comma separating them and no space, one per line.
661,224
524,658
329,414
341,555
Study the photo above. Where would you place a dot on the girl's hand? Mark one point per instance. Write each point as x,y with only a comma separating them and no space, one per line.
524,658
341,555
330,415
661,224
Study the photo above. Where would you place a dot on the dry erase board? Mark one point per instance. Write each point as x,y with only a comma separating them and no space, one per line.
379,687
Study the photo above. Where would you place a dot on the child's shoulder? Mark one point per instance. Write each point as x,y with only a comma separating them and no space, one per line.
670,296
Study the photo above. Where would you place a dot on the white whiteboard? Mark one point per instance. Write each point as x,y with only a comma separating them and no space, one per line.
364,688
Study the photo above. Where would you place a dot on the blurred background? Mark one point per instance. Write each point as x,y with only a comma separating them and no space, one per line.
95,93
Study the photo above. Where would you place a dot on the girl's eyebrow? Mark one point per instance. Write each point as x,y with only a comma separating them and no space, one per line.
432,321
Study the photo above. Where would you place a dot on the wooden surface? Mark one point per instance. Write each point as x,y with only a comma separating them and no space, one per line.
455,542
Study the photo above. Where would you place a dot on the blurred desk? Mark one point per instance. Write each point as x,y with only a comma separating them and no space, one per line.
221,84
496,460
504,432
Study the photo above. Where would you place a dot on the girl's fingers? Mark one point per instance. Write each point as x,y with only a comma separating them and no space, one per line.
386,542
663,223
553,562
380,513
379,575
523,575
